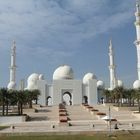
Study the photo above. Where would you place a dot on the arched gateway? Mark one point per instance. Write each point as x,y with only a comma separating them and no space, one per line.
67,98
49,101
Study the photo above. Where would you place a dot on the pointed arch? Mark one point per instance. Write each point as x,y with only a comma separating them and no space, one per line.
49,101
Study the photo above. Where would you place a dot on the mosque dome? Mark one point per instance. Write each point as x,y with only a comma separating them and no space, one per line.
88,77
100,84
32,81
11,85
120,83
136,84
63,72
33,77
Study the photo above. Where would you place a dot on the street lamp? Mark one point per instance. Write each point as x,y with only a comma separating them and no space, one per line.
109,121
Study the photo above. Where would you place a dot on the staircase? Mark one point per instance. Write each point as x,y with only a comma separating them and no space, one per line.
77,112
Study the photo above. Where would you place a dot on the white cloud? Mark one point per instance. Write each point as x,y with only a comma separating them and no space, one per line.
59,25
65,22
54,30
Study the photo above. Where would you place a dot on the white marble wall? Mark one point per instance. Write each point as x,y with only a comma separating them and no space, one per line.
73,86
42,86
92,92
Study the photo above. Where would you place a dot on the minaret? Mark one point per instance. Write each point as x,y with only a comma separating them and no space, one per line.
12,83
137,42
112,67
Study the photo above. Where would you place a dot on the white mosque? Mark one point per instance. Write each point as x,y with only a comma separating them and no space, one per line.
65,88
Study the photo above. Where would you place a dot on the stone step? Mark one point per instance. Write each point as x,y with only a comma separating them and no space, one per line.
78,113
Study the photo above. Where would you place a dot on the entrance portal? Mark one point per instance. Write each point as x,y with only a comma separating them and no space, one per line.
66,98
49,100
85,99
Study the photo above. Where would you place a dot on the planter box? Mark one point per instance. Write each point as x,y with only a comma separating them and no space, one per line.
63,119
12,119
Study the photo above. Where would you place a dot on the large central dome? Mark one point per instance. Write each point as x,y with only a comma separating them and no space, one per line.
63,72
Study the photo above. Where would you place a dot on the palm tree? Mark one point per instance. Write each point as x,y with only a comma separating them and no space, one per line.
32,95
35,95
137,95
119,94
21,99
130,96
107,94
3,94
28,95
18,98
7,101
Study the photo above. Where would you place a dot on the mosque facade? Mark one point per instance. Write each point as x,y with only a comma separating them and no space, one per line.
64,88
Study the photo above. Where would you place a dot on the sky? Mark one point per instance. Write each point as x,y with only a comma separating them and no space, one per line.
50,33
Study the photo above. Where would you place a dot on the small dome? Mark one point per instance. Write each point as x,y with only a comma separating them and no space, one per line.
63,72
32,81
33,77
100,84
120,83
136,84
11,85
88,77
41,77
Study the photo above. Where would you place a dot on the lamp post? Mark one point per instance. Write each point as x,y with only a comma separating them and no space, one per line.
109,121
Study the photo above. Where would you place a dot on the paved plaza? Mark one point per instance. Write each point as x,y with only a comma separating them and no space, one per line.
46,119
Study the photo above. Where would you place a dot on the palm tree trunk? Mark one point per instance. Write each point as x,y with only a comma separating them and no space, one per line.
121,99
3,109
118,102
3,105
21,109
129,101
114,99
30,104
7,108
139,105
18,108
133,102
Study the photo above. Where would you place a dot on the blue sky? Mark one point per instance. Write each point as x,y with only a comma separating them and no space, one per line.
49,33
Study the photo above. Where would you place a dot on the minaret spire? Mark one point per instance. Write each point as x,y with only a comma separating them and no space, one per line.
12,83
137,42
112,67
137,5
